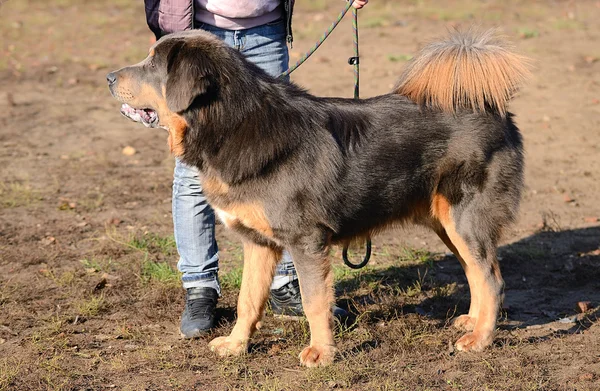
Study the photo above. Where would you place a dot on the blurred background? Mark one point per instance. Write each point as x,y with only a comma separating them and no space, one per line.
89,294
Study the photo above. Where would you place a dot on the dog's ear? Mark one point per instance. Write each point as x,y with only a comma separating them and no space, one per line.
189,74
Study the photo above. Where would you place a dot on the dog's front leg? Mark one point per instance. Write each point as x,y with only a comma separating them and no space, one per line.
316,286
259,268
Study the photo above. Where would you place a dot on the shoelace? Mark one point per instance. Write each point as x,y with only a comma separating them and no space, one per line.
200,307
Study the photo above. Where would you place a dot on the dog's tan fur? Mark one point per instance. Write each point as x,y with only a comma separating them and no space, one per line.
466,71
259,268
485,285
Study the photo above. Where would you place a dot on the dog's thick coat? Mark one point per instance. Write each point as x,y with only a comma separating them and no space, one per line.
290,170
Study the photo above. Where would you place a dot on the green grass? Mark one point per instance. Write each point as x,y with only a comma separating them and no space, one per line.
13,195
160,272
151,242
417,255
64,279
92,264
399,57
91,202
9,370
527,33
233,279
91,306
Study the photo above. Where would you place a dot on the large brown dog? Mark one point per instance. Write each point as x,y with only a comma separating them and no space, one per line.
290,170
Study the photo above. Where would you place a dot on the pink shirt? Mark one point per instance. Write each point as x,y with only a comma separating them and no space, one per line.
237,14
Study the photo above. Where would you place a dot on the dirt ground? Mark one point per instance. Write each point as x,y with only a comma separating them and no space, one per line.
89,295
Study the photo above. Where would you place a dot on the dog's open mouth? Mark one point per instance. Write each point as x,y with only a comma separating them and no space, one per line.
148,117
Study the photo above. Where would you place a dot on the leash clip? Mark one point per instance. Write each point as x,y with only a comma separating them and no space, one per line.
353,60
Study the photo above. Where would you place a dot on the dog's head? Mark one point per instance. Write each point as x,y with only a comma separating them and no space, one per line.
180,71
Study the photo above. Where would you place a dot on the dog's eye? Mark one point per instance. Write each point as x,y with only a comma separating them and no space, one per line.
151,63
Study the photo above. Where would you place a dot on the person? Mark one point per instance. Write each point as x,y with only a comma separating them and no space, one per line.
261,30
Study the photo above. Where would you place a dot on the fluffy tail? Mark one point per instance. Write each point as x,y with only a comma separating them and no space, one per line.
470,70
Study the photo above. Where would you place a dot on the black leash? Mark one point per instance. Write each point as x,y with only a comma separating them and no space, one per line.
354,61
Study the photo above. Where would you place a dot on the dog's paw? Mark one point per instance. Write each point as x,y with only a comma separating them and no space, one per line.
473,342
465,322
318,355
226,346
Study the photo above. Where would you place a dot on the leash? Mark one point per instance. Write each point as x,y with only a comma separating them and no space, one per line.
354,61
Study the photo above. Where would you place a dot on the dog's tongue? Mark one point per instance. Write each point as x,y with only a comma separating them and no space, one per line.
148,117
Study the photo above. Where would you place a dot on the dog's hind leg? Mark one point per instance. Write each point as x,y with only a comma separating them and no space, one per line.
476,245
316,286
466,321
259,268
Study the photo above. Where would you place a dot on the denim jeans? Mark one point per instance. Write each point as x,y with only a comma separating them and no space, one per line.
193,218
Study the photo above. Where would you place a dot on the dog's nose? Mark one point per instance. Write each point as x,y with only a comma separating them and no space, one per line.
111,78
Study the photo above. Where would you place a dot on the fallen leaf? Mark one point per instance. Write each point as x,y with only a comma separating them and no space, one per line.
48,240
567,198
590,59
129,151
115,221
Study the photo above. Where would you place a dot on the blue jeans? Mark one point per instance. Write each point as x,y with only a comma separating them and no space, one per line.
193,218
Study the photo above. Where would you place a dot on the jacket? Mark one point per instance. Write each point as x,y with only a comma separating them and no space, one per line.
168,16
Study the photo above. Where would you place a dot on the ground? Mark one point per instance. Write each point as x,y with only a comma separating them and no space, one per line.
89,299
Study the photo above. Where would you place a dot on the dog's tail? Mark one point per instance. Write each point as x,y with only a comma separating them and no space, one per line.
470,70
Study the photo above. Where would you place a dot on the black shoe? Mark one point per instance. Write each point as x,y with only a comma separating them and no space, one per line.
287,301
199,313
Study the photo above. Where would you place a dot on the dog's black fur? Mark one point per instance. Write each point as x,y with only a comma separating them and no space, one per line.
328,170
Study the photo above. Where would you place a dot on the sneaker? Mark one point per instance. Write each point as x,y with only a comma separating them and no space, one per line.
287,302
199,313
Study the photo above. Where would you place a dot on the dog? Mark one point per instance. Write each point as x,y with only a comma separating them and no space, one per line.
287,169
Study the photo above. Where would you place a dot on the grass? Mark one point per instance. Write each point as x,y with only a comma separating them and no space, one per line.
152,243
232,279
9,370
92,265
13,195
160,272
64,279
92,202
417,255
399,57
91,306
526,32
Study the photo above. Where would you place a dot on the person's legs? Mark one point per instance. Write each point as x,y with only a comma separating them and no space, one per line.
194,228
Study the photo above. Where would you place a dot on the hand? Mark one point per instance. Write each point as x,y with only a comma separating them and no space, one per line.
358,4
